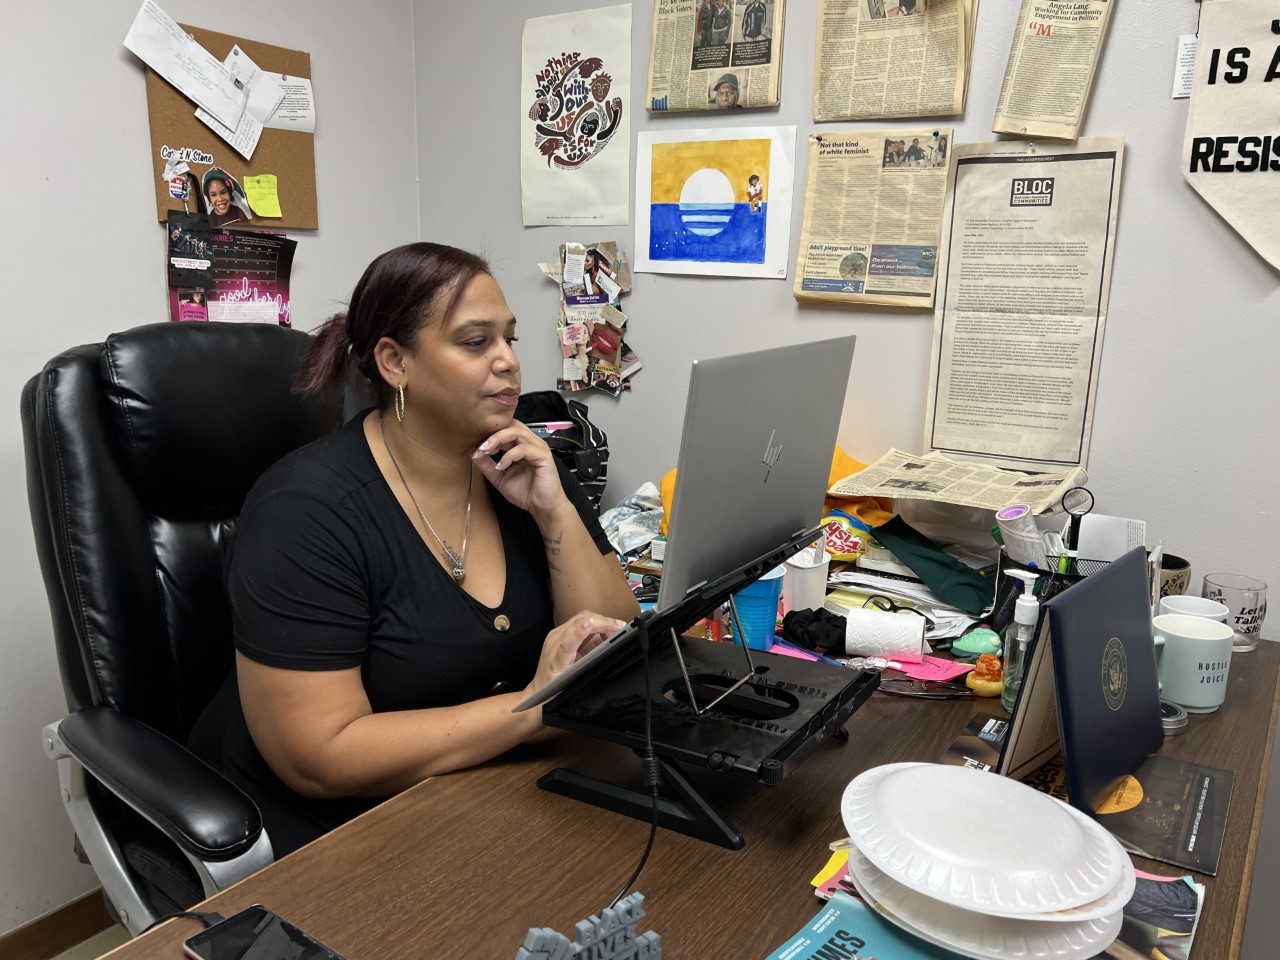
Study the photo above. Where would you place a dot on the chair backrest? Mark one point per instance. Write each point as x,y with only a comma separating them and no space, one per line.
140,451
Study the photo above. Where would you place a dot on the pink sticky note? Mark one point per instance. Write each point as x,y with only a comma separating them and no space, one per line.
935,668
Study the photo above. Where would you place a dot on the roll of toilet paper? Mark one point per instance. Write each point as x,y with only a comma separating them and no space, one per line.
877,633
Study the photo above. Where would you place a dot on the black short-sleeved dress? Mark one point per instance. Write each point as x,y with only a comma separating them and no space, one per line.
327,572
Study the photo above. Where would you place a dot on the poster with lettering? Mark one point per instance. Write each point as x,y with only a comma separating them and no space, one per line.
247,280
575,97
1231,151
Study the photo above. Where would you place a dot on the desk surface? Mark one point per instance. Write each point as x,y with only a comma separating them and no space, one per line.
485,850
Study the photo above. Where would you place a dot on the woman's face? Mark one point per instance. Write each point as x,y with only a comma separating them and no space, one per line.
219,197
590,262
463,376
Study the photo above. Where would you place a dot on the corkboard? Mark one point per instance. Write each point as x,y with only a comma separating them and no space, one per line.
289,154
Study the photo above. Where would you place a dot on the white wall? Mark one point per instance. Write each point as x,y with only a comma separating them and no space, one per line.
81,255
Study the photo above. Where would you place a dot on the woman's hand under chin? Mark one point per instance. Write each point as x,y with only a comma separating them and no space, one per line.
525,473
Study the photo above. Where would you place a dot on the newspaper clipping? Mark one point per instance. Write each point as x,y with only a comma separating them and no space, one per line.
892,58
715,54
1021,310
873,216
943,480
1051,66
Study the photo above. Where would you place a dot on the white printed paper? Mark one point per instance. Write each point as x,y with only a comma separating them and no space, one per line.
297,110
244,311
264,93
159,42
1185,67
243,139
575,104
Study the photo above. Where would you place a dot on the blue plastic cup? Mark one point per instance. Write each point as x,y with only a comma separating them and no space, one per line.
758,610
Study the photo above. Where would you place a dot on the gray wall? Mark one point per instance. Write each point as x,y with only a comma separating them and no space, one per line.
1185,395
82,256
1185,406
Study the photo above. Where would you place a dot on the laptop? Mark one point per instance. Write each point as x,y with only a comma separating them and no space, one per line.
755,455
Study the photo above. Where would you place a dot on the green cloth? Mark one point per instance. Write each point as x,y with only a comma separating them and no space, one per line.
951,580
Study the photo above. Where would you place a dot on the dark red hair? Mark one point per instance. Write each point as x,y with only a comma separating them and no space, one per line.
395,298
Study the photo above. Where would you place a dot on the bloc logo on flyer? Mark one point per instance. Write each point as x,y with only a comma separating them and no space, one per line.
573,116
1031,192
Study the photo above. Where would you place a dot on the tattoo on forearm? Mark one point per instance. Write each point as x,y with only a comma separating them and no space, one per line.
553,550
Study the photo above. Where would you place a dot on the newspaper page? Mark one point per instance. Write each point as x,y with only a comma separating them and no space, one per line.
892,58
873,216
942,479
715,55
1051,66
1027,243
1231,127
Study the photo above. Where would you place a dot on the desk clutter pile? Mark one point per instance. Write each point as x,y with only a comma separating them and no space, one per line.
1044,883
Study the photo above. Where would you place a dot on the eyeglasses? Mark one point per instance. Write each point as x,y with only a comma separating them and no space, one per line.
880,602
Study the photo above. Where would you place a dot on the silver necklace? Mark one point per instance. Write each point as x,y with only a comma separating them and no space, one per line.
457,561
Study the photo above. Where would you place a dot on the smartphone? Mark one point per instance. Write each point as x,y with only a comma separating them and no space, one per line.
256,933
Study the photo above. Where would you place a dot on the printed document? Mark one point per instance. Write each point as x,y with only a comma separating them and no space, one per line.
161,43
1051,66
872,216
715,55
1027,243
892,58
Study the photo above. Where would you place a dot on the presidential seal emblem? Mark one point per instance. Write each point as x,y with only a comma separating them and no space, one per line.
1115,674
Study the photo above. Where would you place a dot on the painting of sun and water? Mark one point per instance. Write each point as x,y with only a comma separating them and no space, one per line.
715,202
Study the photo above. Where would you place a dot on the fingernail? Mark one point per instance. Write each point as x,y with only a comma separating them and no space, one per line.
484,446
475,455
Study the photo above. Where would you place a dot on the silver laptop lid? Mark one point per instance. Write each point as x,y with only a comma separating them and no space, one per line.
759,432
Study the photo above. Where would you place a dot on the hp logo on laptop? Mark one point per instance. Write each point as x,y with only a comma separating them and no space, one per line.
771,455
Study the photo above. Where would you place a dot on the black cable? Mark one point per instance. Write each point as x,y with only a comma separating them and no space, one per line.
651,771
208,919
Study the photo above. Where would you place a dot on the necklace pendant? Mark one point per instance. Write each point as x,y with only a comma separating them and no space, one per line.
459,573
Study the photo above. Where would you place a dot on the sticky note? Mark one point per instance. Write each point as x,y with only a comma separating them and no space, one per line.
262,194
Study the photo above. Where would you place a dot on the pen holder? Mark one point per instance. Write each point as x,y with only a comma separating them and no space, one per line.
757,607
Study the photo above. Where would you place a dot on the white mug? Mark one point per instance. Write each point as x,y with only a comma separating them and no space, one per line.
1193,658
1195,607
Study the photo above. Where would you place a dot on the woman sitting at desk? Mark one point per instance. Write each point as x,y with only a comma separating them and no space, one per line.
398,586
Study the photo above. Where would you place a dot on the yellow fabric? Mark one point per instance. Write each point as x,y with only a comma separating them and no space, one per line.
868,509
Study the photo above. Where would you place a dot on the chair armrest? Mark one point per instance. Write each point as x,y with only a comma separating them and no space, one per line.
200,810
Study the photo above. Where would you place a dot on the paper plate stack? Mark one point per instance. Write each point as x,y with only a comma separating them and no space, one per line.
983,865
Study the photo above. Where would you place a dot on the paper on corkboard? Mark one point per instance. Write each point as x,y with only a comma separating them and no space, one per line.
288,155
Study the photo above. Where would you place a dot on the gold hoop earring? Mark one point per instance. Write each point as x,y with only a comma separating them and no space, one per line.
399,403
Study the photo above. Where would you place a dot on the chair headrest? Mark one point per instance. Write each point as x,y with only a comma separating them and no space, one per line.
202,409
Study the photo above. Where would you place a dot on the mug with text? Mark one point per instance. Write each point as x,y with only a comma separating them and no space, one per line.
1193,657
1175,575
1246,602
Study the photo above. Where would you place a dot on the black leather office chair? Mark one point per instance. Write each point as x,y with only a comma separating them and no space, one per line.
140,451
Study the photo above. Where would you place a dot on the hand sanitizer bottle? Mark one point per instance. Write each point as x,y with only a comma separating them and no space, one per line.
1017,636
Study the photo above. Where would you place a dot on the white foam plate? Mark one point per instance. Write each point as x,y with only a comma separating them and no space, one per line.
978,935
1032,855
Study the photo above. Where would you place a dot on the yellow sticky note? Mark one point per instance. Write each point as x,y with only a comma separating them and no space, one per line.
263,197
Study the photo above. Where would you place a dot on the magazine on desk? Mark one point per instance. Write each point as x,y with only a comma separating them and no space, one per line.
848,929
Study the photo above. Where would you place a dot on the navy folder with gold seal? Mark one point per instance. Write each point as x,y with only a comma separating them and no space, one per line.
1105,670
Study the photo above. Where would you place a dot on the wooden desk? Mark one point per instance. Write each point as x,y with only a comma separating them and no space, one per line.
463,865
